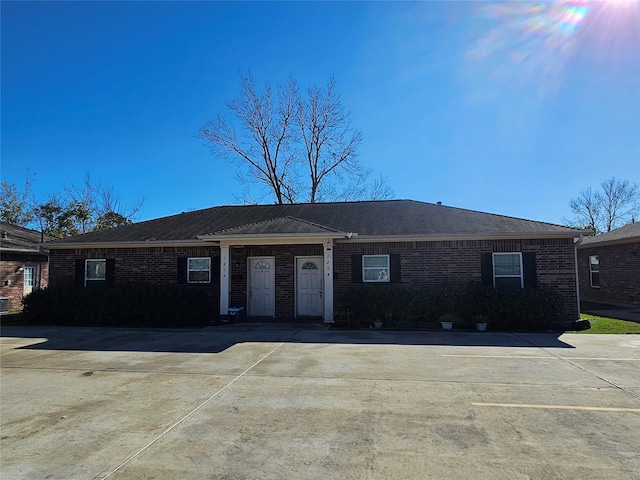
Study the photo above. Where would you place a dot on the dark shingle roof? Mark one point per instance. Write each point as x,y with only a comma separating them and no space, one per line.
391,218
277,226
20,239
628,233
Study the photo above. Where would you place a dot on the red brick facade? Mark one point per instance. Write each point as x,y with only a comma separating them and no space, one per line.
435,262
458,262
149,265
619,273
12,265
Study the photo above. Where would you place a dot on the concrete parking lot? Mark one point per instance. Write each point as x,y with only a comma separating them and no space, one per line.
251,401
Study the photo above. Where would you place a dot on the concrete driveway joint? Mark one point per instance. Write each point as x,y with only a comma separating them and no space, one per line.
285,401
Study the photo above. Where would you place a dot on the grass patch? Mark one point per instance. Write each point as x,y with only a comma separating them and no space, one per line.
609,325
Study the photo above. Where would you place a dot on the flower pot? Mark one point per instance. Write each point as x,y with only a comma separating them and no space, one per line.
378,323
447,325
481,327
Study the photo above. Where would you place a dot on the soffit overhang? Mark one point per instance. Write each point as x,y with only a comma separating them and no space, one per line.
291,239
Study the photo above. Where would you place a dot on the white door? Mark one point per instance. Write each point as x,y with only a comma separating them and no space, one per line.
262,287
29,279
309,286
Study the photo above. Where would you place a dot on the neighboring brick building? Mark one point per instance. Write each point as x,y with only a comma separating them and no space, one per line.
288,261
609,267
23,265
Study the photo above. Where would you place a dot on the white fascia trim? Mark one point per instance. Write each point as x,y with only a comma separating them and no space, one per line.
22,250
146,244
606,243
436,238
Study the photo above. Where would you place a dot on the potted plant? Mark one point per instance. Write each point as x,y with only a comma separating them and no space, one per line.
481,321
448,320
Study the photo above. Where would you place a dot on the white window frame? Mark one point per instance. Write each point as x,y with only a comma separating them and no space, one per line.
521,276
385,279
592,271
86,270
33,277
208,269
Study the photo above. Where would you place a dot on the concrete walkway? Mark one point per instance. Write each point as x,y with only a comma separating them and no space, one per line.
621,313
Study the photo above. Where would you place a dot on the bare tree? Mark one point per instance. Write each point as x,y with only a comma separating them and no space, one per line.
330,144
620,202
265,148
310,134
586,209
604,211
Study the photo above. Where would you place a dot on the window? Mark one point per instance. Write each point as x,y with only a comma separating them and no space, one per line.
199,270
594,271
375,268
95,270
29,277
507,271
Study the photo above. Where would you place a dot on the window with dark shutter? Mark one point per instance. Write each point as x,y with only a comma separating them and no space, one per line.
394,265
529,270
95,272
215,269
199,270
356,268
507,271
79,273
486,266
182,270
375,268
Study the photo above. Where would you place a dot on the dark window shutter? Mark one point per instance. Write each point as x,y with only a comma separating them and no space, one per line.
486,268
356,268
394,266
182,270
529,269
110,272
215,269
79,276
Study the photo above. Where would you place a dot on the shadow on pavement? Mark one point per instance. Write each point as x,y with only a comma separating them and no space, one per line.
217,339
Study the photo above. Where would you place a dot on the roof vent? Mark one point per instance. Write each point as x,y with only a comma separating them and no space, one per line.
5,234
439,203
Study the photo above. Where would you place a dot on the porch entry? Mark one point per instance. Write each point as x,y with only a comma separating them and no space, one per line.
309,285
262,274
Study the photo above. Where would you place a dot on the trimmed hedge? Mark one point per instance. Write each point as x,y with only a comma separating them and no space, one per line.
526,309
125,305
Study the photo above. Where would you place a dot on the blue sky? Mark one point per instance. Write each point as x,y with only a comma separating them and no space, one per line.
504,107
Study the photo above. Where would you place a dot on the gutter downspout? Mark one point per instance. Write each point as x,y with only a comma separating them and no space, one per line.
576,242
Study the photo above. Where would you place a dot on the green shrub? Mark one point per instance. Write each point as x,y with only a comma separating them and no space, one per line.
527,309
125,305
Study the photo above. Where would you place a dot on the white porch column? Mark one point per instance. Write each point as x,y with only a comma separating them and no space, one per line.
224,280
328,281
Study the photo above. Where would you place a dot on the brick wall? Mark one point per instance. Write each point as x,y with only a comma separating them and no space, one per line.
9,263
430,263
285,273
619,274
149,265
458,263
